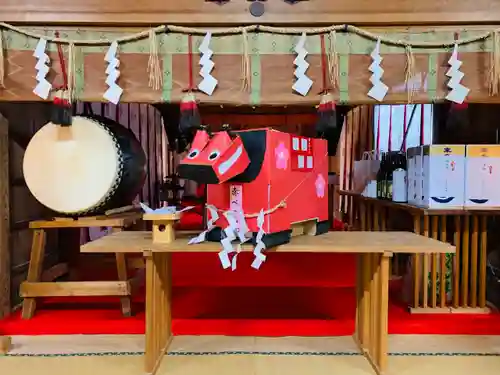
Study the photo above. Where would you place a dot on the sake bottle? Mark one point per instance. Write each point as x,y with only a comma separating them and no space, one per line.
400,180
380,178
391,159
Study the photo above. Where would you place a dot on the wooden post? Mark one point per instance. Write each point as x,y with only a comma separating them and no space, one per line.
465,264
425,278
4,219
416,266
5,344
456,263
473,261
482,262
434,261
158,292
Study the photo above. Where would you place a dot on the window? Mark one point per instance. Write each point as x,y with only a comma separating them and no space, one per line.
302,157
392,121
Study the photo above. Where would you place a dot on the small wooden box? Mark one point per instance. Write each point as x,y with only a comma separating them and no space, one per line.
163,226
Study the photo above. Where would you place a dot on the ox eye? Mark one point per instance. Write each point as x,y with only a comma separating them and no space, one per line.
194,153
213,155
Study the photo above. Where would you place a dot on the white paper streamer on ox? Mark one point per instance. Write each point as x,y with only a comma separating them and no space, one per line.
227,246
114,92
259,244
209,83
43,87
213,216
303,83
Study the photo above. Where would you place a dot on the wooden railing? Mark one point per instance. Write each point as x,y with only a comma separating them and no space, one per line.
453,281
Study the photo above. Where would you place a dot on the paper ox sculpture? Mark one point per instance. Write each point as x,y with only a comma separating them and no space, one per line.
260,185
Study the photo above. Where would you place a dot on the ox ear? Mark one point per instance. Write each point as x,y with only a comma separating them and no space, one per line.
233,161
200,141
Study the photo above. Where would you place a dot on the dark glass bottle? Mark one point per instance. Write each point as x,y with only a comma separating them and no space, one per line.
380,177
391,162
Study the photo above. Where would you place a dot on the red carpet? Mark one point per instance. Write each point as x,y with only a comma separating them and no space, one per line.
293,294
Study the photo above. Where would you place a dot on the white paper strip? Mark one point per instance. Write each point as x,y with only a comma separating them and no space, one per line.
303,83
458,92
379,89
260,246
163,210
213,216
209,83
227,246
43,87
114,92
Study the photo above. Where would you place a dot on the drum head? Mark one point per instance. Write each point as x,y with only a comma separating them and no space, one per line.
75,173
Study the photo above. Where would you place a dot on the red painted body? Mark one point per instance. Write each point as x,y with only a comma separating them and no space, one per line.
294,170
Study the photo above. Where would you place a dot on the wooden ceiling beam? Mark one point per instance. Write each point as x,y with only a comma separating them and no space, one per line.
195,12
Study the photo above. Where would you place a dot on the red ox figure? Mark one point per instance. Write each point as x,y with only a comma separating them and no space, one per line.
282,174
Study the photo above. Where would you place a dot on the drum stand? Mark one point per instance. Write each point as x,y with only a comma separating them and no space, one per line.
34,287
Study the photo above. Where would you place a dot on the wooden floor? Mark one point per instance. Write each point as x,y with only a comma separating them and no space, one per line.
110,355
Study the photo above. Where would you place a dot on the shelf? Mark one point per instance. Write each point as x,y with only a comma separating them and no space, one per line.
415,210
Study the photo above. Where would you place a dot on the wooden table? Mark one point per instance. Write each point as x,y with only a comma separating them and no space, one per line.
374,248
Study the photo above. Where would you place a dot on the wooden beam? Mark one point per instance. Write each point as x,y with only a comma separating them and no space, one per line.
80,288
4,219
195,12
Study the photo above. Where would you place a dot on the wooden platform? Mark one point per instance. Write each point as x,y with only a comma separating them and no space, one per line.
332,242
374,249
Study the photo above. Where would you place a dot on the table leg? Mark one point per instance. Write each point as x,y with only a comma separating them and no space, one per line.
35,269
373,305
158,309
5,344
363,300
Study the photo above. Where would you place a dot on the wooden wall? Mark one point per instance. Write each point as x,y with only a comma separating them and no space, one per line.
237,11
4,219
477,124
356,138
24,119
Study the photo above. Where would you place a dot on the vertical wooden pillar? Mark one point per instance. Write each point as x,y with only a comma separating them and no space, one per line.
4,219
416,266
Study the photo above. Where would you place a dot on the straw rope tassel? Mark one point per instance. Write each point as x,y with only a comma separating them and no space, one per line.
245,63
494,77
409,72
71,72
333,61
2,61
154,71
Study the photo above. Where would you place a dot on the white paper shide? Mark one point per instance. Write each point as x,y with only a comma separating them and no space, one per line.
236,233
43,87
114,92
209,83
379,89
458,92
303,83
167,210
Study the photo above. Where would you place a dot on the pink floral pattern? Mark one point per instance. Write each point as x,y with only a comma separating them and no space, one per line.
282,155
320,186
